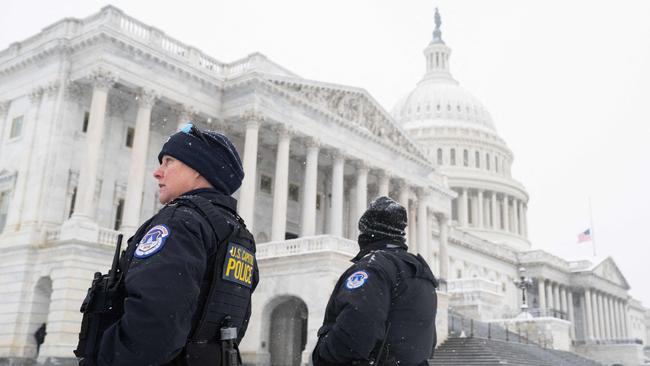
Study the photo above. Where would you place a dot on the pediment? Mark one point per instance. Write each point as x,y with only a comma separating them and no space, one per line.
608,270
356,107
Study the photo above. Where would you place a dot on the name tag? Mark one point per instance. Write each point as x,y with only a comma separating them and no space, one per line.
238,265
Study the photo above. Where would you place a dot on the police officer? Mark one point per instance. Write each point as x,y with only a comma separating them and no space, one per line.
383,308
188,267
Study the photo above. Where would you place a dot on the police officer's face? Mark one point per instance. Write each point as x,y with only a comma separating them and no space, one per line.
174,178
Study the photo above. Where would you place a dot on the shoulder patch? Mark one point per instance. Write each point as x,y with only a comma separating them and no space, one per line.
152,242
356,280
238,265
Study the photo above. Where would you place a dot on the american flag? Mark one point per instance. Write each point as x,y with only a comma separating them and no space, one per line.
584,236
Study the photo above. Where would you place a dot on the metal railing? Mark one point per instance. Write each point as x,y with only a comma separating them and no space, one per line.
607,341
461,326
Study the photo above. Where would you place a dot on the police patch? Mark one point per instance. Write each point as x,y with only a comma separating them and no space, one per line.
356,280
238,266
152,242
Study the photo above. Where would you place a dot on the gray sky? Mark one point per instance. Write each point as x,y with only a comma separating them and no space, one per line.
566,82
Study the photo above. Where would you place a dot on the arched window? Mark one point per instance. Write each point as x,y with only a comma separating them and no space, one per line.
487,161
439,156
465,157
452,157
477,159
496,164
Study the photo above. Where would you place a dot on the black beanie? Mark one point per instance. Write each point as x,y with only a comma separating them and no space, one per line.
210,153
384,220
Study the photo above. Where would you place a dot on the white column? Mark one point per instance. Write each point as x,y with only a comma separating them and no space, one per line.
404,201
572,319
515,223
443,246
281,185
621,322
423,219
626,319
563,301
362,192
550,304
462,208
84,205
495,212
479,216
336,213
384,184
138,166
525,220
556,296
246,206
601,316
413,227
308,222
185,114
589,319
615,317
610,318
506,215
541,292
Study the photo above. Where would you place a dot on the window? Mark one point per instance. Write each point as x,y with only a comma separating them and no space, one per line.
318,201
73,199
16,127
477,159
452,157
465,157
130,134
487,161
496,164
439,153
4,208
294,192
119,213
459,273
266,184
84,127
454,210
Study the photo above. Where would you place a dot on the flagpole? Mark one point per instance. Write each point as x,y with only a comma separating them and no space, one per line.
591,226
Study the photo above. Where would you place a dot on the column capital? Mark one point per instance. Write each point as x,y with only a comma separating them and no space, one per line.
4,108
102,79
146,98
362,165
442,217
183,111
402,184
283,130
336,154
422,192
384,174
311,142
253,116
35,95
52,88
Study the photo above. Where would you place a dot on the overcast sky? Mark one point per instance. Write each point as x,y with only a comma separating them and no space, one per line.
567,84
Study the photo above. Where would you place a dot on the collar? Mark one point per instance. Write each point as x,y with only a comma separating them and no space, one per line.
214,196
379,245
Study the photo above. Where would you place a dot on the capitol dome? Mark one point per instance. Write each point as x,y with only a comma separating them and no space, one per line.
459,136
438,102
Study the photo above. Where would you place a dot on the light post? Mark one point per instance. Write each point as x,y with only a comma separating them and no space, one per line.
524,283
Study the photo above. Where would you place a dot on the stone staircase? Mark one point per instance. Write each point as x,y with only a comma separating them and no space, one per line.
471,351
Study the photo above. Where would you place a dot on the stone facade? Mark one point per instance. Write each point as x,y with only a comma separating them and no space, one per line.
86,104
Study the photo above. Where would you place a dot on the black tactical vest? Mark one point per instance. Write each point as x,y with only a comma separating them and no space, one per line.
234,276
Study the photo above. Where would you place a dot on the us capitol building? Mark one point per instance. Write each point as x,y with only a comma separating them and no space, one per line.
86,104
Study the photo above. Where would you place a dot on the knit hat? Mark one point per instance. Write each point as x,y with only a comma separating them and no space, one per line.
384,220
210,153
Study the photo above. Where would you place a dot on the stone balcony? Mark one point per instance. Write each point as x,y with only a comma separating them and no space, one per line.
476,298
